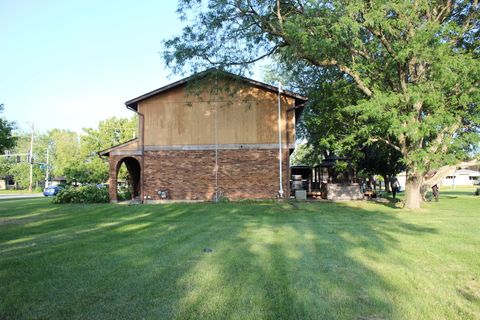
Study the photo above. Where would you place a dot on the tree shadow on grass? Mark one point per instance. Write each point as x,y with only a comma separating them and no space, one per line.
297,265
269,261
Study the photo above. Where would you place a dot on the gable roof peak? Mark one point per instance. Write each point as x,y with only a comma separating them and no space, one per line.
133,103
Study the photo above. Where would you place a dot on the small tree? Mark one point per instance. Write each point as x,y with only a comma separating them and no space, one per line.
7,140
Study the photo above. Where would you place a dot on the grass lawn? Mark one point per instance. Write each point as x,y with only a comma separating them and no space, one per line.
18,191
348,260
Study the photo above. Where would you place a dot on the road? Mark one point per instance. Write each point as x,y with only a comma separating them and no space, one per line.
19,195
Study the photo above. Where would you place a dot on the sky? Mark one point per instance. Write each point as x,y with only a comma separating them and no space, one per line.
69,64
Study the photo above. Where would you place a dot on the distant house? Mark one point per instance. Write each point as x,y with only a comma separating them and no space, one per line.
7,183
462,177
57,181
211,135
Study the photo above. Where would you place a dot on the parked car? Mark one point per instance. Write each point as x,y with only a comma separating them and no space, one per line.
52,191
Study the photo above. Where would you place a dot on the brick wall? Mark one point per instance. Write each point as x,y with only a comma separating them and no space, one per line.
112,174
190,175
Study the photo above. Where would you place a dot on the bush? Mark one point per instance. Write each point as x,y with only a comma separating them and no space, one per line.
83,194
124,194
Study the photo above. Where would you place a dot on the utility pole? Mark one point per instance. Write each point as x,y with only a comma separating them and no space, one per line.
46,169
31,159
280,191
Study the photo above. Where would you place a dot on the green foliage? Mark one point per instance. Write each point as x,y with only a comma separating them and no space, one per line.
70,154
64,150
110,132
63,147
7,140
401,73
83,194
380,159
87,167
21,173
223,199
5,166
124,194
21,170
304,154
93,170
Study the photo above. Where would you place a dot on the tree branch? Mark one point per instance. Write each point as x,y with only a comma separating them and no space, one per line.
444,171
215,63
444,12
386,142
329,63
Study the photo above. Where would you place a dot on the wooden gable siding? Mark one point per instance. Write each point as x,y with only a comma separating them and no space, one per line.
129,147
249,116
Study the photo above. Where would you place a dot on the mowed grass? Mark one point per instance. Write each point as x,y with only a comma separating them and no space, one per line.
18,192
349,260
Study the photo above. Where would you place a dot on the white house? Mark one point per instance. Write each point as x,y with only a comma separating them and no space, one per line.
461,177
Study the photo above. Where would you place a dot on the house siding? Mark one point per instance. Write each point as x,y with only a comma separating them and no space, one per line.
187,130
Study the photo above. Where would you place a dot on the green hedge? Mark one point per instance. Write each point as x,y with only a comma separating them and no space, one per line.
83,194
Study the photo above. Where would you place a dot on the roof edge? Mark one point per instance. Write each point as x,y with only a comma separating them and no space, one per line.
133,103
107,151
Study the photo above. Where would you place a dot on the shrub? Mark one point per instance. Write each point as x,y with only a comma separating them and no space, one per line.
83,194
124,194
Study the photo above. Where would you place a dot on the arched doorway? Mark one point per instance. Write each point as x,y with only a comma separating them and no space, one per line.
133,177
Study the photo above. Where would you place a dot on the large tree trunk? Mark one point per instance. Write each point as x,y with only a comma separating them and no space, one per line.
387,183
412,189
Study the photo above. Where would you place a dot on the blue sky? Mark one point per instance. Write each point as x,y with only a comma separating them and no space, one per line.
69,64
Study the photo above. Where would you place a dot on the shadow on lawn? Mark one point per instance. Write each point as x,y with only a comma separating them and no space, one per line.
297,265
268,261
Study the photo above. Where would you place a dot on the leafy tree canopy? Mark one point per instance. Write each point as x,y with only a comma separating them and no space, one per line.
7,140
414,64
87,167
71,155
64,150
109,133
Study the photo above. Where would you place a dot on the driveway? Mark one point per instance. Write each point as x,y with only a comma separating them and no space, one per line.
19,196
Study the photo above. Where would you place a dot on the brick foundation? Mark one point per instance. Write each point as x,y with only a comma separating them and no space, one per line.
190,175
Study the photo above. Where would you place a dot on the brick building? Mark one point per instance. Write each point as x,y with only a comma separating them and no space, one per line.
211,135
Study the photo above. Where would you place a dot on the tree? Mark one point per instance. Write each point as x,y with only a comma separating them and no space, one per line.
330,126
64,149
109,133
21,174
87,167
7,140
5,167
382,160
415,64
18,166
87,171
304,154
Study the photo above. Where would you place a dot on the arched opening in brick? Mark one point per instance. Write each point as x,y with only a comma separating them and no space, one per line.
129,188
